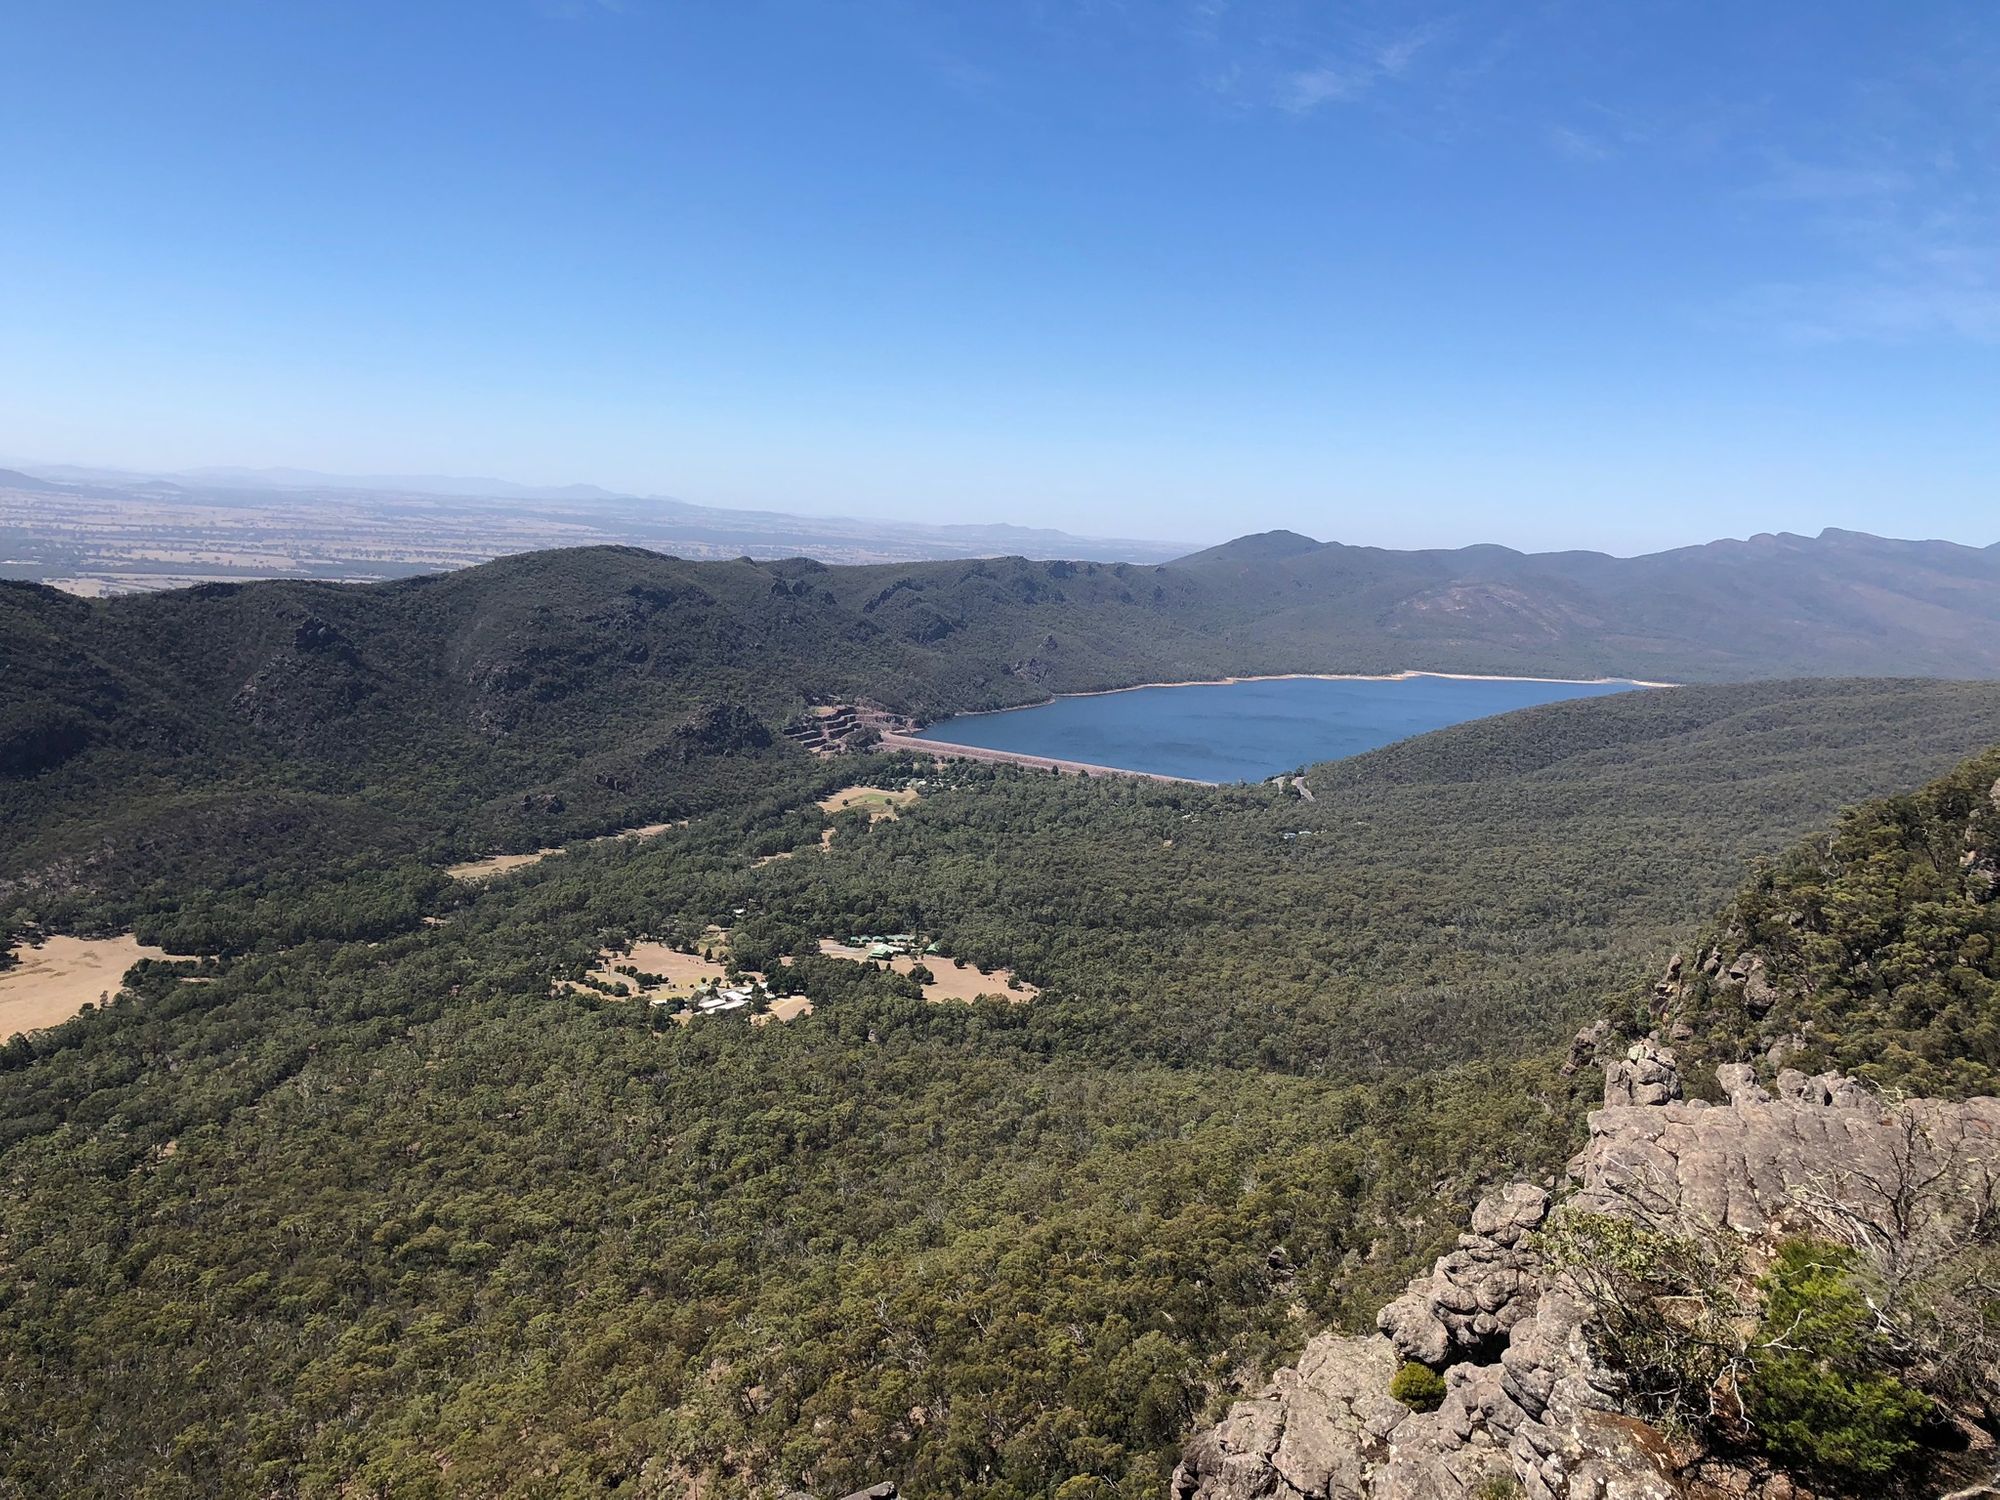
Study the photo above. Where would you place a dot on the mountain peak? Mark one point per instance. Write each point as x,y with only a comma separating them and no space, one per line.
1257,547
14,479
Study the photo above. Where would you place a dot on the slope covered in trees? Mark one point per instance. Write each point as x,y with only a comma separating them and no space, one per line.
1874,949
379,1213
235,732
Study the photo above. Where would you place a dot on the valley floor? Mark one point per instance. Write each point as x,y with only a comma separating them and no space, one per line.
485,1226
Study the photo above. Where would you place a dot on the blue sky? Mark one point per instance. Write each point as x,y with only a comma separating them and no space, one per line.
1612,275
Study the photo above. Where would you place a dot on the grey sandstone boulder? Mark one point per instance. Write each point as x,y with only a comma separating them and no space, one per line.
1647,1074
1477,1291
1585,1046
1739,1082
1412,1326
1508,1216
1317,1430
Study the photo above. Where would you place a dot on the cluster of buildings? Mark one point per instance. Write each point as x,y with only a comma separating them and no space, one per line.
891,945
715,998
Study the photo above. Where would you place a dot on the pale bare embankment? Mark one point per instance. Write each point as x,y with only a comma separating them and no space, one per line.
502,864
1404,676
949,751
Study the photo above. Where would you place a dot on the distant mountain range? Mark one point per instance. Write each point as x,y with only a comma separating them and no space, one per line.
14,479
1772,605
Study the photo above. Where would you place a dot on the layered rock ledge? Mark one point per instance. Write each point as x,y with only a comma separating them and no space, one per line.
1527,1410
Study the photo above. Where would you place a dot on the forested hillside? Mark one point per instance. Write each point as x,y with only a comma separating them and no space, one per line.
234,732
1772,606
1874,950
378,1212
231,731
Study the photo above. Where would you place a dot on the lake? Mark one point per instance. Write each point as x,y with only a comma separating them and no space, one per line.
1251,730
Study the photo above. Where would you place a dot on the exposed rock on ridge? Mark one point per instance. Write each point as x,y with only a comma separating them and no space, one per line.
1527,1408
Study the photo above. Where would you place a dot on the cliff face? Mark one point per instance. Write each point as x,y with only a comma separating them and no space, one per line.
1529,1407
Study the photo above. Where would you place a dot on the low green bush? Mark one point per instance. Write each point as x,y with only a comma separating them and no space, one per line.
1418,1387
1820,1393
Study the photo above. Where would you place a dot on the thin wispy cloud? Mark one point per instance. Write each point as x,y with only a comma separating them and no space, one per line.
1356,72
1877,311
1911,257
1891,203
1300,58
1394,57
1578,145
1807,182
1303,92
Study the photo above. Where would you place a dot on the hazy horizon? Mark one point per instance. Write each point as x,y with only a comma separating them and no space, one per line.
527,493
1403,274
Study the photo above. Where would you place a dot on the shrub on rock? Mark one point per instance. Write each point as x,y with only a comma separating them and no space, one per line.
1418,1387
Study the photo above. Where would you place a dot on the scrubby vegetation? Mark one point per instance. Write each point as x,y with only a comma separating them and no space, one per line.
1823,1394
1667,1312
1809,1364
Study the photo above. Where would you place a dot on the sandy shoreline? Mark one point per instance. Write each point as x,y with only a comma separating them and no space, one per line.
1404,676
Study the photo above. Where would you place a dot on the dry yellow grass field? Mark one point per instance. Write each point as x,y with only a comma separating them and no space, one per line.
948,982
56,980
880,805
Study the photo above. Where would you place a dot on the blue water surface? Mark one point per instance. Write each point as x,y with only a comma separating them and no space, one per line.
1247,731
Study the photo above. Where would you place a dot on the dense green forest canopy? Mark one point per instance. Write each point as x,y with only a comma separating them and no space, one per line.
233,732
360,1206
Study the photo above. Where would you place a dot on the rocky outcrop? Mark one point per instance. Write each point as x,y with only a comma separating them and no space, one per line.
1981,859
1527,1408
1588,1044
1757,1160
1476,1294
1645,1076
1319,1429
